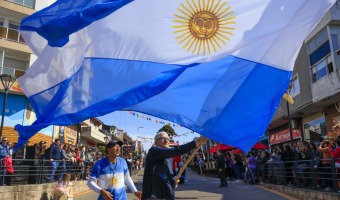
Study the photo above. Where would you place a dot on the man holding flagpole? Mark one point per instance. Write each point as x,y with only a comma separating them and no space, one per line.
159,179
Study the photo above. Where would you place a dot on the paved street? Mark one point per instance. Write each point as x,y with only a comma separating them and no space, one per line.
201,187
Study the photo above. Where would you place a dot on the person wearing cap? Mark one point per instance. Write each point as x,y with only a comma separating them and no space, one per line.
57,159
159,179
112,174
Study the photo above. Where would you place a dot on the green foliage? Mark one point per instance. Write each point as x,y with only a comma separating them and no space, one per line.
167,128
101,148
134,153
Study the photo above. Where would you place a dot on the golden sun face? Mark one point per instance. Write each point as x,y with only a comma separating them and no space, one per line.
203,25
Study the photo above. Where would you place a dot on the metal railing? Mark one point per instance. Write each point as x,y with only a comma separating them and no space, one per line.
38,171
11,34
309,174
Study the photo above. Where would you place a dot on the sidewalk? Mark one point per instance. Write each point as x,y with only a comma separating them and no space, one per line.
205,188
90,195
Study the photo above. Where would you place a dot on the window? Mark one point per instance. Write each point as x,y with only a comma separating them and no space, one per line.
315,127
13,25
27,3
335,42
12,64
3,30
13,33
319,51
296,86
335,36
317,41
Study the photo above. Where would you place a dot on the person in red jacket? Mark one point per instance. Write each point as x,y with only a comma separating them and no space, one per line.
336,155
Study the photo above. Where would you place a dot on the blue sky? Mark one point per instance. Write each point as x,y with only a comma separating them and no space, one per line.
130,123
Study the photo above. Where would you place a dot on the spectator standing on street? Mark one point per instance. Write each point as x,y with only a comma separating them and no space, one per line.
111,174
129,162
325,149
159,178
305,155
56,159
336,155
220,165
288,157
4,152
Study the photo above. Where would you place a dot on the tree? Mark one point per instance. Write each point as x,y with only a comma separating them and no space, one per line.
168,129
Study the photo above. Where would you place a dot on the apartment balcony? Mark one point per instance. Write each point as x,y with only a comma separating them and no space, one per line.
93,134
12,39
86,122
11,34
326,87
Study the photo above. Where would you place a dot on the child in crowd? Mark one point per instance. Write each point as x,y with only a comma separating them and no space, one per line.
64,187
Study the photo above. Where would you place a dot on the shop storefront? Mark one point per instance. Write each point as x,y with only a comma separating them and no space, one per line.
284,136
314,127
67,135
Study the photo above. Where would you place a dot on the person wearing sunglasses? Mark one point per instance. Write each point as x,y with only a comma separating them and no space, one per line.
159,179
4,148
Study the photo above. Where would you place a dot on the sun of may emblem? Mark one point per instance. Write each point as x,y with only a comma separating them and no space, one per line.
203,26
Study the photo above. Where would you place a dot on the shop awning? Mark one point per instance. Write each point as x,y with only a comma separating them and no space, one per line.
259,146
222,147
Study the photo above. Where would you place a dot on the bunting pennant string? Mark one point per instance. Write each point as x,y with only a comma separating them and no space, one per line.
153,119
145,139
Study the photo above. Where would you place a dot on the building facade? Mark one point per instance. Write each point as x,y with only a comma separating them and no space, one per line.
15,58
315,87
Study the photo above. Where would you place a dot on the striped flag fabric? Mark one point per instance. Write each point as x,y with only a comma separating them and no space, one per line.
219,67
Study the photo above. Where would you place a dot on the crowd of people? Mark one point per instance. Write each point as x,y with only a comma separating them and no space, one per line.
296,161
108,172
59,158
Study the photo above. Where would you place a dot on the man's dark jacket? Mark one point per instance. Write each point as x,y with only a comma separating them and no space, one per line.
159,179
55,152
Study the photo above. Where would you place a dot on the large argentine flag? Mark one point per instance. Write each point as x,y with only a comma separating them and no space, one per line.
217,67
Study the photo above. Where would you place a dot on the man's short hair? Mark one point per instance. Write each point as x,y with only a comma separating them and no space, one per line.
160,134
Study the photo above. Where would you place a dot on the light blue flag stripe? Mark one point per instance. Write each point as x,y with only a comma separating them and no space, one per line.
220,99
97,89
231,102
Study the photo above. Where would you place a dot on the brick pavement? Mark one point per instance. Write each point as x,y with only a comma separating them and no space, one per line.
206,188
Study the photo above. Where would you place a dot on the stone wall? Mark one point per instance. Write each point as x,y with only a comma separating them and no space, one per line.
36,192
301,193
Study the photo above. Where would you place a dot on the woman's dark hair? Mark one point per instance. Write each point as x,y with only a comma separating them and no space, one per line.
287,147
313,144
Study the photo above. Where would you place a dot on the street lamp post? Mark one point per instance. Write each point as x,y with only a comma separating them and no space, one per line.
137,145
7,82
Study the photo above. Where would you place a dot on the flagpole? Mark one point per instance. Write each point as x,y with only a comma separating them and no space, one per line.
186,164
290,124
290,86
